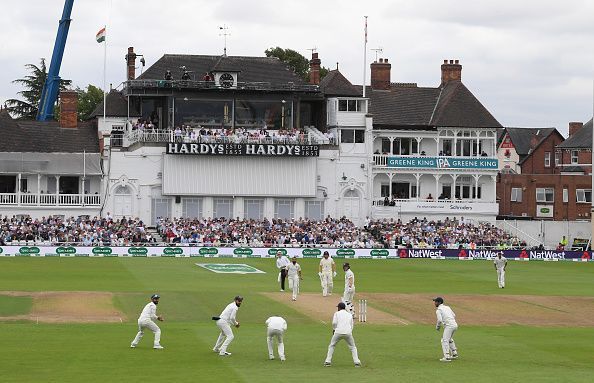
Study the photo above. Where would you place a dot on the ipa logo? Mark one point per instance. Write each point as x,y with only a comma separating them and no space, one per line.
311,253
138,251
102,250
380,253
241,251
208,251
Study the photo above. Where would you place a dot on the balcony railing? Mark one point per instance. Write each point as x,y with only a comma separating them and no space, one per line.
27,199
143,86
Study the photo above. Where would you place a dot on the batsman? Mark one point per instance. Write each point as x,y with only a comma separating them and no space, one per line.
327,272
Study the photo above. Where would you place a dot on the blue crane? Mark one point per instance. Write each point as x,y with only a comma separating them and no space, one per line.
49,94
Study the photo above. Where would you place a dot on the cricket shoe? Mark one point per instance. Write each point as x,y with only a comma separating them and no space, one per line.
271,357
326,364
283,359
445,360
158,347
132,346
225,353
455,356
215,350
357,364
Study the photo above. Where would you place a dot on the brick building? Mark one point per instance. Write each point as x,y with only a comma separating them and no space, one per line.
553,176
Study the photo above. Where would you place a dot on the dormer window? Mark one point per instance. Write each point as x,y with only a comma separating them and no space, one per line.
351,105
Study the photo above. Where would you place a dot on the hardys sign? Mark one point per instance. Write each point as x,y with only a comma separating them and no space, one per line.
259,150
442,162
306,252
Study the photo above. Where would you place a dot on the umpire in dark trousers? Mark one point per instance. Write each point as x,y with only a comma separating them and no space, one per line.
282,262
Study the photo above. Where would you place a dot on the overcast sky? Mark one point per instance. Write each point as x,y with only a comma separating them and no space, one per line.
530,62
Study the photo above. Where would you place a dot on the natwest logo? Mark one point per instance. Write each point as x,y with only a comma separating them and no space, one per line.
424,253
547,255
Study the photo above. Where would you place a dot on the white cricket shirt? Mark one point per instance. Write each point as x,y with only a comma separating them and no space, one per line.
229,313
276,323
281,262
445,316
500,263
149,312
293,270
342,322
326,265
347,275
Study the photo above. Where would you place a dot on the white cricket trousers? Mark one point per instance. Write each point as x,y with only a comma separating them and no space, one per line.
501,277
327,283
447,341
147,323
225,337
347,298
294,285
350,341
271,334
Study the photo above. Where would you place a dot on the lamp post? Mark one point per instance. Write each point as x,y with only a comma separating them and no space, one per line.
283,114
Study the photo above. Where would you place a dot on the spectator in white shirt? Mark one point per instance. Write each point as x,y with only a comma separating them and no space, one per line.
227,319
342,325
146,320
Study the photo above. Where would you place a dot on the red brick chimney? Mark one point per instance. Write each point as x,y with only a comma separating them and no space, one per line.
68,109
131,63
314,69
451,71
380,75
574,127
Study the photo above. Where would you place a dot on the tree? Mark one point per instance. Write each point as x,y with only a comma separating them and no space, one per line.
33,85
295,60
88,100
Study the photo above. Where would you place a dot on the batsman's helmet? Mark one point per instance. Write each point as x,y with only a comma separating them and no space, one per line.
341,306
438,300
155,296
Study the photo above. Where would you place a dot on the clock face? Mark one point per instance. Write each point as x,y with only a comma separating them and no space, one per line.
226,80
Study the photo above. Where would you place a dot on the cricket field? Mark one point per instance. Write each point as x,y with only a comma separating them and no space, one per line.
72,320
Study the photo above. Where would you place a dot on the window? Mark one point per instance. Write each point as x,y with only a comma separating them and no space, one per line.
349,136
565,195
557,158
385,190
351,105
223,208
24,184
191,208
386,146
253,208
574,157
547,159
284,208
545,195
516,194
413,191
583,195
314,210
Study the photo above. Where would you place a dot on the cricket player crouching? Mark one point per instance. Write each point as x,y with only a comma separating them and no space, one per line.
327,271
447,318
342,325
349,288
146,320
275,328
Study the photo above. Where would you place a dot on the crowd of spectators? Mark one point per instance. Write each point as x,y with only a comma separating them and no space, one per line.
447,234
80,231
329,232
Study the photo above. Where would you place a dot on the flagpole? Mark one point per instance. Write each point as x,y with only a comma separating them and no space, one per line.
365,58
104,75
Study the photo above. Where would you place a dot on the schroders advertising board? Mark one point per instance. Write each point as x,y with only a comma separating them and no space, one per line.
299,252
257,150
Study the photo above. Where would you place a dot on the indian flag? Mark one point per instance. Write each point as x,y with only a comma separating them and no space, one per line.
100,36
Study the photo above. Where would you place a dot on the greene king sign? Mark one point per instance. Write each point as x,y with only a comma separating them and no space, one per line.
259,150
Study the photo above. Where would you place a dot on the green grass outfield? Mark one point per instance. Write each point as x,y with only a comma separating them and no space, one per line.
191,295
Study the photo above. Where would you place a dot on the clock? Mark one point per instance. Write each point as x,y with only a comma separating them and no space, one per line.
226,80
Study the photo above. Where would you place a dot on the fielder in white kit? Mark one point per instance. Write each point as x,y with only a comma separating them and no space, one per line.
146,320
447,319
500,264
275,329
349,288
294,275
224,322
342,324
327,272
